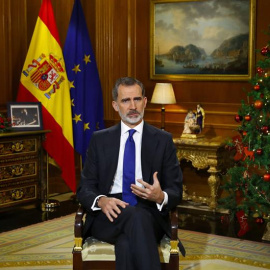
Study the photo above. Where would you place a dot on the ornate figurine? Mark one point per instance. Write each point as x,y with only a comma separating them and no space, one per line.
190,122
200,116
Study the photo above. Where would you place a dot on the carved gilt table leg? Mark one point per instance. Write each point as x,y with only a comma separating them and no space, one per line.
213,181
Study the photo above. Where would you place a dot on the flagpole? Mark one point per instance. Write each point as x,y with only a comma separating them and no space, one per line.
48,205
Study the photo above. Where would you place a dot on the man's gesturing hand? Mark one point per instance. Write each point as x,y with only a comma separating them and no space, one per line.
149,192
110,207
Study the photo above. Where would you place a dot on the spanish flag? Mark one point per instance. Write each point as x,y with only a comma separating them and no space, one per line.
44,80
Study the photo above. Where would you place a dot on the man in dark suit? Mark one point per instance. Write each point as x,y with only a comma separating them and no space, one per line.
134,227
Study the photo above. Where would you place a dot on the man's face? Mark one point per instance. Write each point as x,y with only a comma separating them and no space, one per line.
130,104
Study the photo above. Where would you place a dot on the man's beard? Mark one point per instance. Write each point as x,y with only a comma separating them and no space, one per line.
132,120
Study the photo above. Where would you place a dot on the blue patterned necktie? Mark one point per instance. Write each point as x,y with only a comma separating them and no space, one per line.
129,170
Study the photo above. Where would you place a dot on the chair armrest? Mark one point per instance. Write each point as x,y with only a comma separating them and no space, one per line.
78,229
78,224
174,223
174,228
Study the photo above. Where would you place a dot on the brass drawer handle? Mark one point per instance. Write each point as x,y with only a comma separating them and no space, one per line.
17,147
17,194
17,171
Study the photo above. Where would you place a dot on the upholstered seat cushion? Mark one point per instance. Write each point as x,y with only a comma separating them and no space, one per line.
95,250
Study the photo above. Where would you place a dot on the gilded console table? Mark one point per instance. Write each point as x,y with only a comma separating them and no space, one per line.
21,167
204,153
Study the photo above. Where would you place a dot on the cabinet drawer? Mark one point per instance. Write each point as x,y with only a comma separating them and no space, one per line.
16,147
16,195
20,170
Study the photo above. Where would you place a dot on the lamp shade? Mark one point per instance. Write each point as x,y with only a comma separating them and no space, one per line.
163,94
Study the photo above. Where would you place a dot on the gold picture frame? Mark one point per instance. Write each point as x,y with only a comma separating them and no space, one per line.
202,39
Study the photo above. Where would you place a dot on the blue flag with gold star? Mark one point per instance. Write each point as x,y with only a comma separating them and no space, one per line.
85,87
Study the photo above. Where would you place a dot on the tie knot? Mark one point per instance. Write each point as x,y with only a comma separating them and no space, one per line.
131,132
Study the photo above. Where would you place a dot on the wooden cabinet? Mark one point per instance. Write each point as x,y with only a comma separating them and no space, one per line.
21,168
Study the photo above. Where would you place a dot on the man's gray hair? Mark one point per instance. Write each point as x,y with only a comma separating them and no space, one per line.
126,81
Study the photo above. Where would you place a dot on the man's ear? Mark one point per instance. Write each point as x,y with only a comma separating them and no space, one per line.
145,101
115,106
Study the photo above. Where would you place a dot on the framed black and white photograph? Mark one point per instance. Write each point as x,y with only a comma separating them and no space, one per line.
25,115
202,39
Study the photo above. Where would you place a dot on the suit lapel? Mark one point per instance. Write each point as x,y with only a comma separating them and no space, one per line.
111,153
149,144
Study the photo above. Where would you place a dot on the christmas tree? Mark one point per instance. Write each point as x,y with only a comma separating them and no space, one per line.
248,182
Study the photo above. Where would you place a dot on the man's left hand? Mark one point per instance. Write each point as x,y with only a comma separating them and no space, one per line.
149,192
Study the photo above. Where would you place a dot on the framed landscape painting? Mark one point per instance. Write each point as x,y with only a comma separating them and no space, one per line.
202,39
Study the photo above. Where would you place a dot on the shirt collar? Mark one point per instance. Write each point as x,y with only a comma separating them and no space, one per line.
125,128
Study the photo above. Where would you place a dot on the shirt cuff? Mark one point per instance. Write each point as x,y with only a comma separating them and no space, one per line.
94,205
165,201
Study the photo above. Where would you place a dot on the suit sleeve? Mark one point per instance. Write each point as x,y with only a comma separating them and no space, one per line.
88,188
171,175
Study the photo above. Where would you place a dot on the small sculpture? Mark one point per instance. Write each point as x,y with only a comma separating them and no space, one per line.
200,116
190,122
194,123
191,126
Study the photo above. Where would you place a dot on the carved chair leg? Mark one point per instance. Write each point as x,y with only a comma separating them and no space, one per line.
174,261
173,264
77,260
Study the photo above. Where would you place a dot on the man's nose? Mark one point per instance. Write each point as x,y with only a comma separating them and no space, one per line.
132,104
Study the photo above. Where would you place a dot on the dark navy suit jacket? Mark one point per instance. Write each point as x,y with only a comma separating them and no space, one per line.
158,153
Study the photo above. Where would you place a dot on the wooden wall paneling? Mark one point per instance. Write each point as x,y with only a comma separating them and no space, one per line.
104,50
132,12
262,24
89,9
112,39
5,68
99,19
62,13
142,45
32,10
19,45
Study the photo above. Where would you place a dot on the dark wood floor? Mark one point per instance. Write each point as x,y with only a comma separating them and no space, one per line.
189,219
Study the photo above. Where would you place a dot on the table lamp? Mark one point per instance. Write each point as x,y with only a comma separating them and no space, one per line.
163,94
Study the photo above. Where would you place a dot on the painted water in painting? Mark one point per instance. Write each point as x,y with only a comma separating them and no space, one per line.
208,65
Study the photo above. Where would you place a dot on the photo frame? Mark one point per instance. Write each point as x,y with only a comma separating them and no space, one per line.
25,115
202,39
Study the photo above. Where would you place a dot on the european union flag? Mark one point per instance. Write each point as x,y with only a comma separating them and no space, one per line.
85,87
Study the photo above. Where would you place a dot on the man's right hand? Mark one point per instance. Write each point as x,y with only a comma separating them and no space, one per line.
110,207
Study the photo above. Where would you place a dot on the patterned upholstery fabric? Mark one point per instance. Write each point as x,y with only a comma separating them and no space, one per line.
96,250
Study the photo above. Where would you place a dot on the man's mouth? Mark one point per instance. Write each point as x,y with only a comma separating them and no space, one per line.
132,114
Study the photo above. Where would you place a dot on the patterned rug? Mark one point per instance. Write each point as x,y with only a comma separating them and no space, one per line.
48,246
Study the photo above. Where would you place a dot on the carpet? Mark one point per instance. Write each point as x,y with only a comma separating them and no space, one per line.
48,246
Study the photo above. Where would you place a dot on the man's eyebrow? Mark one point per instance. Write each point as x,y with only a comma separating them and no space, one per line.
125,99
135,98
